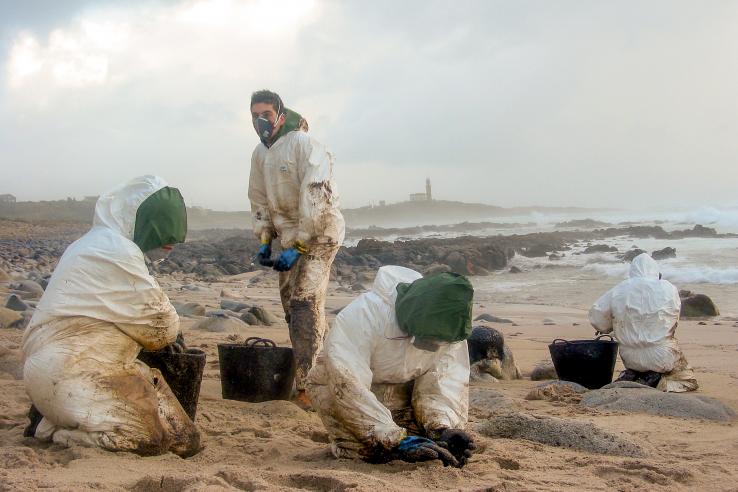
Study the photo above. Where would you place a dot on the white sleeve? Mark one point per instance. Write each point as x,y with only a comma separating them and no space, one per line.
347,353
441,395
158,326
320,217
600,314
260,217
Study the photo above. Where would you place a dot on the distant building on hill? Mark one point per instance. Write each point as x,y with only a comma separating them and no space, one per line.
7,199
423,197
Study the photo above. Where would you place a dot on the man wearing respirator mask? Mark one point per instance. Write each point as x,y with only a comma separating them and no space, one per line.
293,198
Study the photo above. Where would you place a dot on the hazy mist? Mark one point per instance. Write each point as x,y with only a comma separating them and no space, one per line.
582,103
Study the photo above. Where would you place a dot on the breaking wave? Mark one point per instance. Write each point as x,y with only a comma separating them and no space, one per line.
674,273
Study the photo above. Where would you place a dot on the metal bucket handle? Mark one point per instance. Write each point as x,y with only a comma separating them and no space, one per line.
596,338
265,342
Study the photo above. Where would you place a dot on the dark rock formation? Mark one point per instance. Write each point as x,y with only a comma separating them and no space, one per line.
489,355
663,254
600,248
697,305
630,255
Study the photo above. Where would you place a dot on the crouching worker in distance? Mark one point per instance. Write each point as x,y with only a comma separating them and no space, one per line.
642,312
100,308
392,381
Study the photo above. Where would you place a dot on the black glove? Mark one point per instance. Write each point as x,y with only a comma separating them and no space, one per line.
413,449
459,443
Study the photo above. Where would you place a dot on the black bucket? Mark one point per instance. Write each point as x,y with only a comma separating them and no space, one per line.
256,370
182,372
587,362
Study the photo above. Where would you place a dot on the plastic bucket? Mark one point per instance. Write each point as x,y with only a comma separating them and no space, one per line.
588,362
182,372
256,370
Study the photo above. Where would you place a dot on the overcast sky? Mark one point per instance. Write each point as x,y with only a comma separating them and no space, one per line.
584,103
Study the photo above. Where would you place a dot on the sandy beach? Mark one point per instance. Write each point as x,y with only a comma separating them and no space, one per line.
275,445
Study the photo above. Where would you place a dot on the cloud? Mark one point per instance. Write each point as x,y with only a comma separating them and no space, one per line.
512,103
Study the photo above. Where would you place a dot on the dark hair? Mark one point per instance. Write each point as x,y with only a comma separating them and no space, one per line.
269,97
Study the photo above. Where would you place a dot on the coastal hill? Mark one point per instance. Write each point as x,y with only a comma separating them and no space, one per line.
441,212
390,215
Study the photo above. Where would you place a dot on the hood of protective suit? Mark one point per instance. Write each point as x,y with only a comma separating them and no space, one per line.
385,283
103,275
292,121
144,210
644,266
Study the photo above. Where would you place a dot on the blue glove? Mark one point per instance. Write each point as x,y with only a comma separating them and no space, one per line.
286,260
265,250
264,256
413,449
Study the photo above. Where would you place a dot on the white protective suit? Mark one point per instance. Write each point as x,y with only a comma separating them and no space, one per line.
100,308
293,197
369,377
292,192
642,312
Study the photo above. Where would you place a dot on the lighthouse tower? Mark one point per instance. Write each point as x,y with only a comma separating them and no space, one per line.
428,194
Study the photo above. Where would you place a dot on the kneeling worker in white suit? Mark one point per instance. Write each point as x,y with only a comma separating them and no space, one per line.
100,308
392,381
642,312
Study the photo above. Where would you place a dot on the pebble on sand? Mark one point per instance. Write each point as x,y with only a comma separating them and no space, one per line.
15,303
543,370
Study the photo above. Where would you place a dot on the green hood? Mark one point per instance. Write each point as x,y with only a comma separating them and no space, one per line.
438,306
160,220
292,121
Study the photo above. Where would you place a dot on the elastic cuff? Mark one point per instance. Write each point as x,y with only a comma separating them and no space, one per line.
301,247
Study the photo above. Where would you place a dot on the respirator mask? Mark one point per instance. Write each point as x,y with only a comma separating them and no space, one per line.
265,128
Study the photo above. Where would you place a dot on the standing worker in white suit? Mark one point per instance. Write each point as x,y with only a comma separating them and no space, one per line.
642,312
293,198
100,309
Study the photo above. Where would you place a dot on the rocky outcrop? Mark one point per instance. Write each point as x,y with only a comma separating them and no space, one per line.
657,232
663,254
630,255
543,371
582,224
599,248
697,305
489,355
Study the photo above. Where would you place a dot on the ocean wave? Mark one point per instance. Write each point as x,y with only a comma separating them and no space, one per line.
695,274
